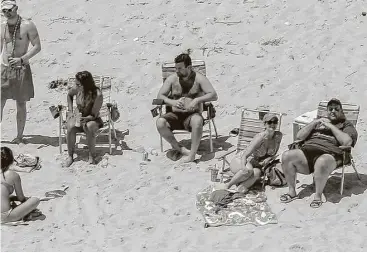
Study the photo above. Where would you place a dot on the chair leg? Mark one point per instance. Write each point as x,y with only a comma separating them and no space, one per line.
161,140
355,169
222,170
210,137
342,182
114,131
109,134
215,128
60,132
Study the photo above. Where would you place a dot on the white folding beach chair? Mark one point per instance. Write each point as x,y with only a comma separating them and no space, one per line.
104,83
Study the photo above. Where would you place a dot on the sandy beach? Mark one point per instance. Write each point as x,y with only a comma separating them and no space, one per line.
283,55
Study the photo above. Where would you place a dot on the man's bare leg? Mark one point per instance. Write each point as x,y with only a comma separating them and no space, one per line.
3,102
166,133
324,166
293,162
196,123
21,120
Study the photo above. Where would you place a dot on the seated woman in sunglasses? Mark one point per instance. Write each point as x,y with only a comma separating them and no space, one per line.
246,165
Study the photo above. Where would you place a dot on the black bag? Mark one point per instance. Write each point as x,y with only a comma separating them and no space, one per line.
272,175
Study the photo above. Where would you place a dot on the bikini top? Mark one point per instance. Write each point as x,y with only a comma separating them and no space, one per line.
268,148
8,186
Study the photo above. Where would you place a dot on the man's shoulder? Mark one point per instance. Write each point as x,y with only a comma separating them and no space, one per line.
28,22
347,123
172,78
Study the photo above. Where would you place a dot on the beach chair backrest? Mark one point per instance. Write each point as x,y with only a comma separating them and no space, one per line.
252,124
168,68
351,111
105,84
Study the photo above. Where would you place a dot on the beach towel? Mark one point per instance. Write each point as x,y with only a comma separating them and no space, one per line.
251,208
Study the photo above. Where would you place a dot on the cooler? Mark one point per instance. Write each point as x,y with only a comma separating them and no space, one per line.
303,120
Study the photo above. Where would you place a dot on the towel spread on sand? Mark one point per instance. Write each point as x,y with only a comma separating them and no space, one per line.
251,208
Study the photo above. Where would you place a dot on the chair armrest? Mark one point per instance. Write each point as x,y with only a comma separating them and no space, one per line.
158,102
225,154
346,148
109,105
296,144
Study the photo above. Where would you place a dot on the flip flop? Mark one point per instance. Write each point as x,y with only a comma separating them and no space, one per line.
316,203
286,198
56,193
234,132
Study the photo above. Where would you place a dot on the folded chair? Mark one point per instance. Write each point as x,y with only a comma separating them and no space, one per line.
168,68
351,112
250,125
104,83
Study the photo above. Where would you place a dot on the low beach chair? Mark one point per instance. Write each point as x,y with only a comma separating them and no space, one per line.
168,68
104,83
250,125
351,113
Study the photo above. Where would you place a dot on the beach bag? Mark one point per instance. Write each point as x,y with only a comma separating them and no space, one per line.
115,114
272,175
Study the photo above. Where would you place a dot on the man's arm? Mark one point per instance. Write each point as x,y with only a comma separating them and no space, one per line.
35,41
209,92
165,90
343,137
305,131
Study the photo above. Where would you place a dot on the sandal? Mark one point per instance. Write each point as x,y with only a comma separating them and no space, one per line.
316,203
286,198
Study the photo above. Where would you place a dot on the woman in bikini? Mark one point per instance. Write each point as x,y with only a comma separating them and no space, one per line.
246,165
89,101
10,181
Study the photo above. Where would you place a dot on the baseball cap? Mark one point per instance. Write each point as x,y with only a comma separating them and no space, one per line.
334,101
8,4
269,117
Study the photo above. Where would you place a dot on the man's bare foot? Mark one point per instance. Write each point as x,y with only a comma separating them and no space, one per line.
69,161
185,151
17,140
190,158
92,159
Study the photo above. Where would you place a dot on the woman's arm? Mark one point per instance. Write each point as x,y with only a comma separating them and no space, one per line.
72,92
278,140
255,143
97,105
18,187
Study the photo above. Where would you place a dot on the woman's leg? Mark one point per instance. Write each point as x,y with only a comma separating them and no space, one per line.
23,209
71,139
245,186
240,176
91,130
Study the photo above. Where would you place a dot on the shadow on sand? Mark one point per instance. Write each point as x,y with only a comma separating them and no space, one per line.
352,186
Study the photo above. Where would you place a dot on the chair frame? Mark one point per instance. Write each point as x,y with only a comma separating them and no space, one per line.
240,146
107,124
198,66
347,150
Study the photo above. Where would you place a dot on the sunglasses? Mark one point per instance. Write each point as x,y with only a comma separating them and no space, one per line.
272,122
8,10
330,109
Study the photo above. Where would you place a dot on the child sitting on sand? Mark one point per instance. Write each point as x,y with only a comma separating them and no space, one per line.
10,181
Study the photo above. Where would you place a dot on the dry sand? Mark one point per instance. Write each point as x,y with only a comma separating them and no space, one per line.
314,46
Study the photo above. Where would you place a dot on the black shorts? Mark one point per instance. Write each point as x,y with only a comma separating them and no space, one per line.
312,154
179,121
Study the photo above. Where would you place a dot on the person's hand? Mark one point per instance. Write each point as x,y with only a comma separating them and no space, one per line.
193,105
15,61
84,120
324,123
179,103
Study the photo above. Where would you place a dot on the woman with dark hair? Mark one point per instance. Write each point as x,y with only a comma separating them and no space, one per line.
10,181
85,118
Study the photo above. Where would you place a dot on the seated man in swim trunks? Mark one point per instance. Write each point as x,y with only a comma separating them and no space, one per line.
185,93
320,154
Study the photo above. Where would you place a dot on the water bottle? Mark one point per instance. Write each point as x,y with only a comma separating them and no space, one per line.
152,151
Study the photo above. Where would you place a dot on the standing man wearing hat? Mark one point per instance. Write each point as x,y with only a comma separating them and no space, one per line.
247,164
320,153
16,75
